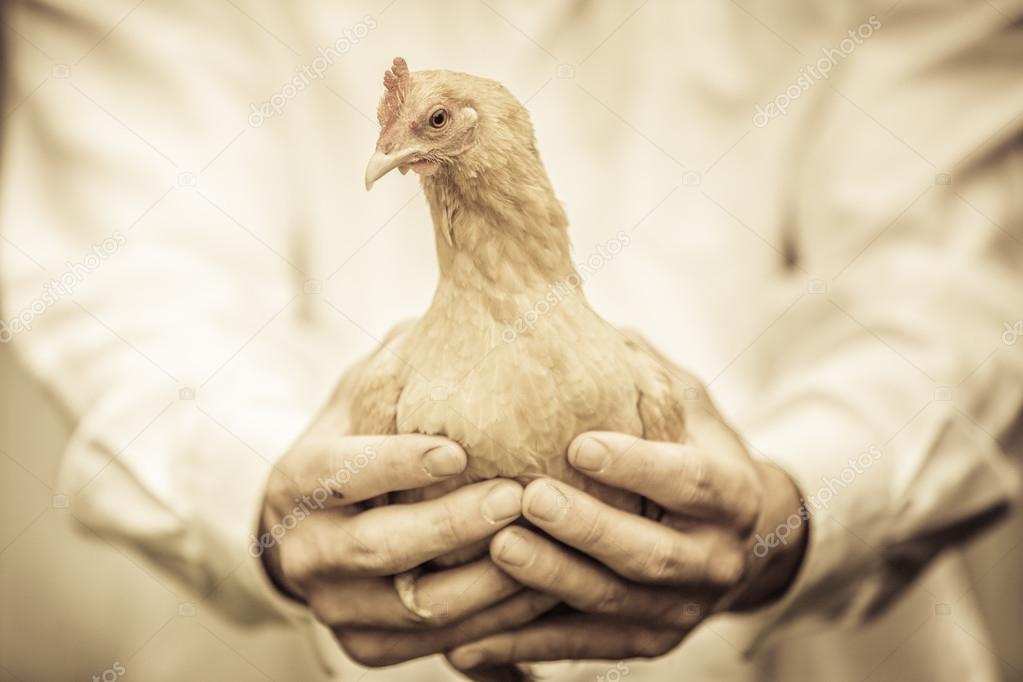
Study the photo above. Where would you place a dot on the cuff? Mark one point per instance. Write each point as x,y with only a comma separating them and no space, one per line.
872,509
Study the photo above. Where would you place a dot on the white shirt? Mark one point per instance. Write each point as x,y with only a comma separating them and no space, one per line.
844,275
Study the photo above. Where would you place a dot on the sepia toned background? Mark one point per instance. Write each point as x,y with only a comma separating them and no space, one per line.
196,87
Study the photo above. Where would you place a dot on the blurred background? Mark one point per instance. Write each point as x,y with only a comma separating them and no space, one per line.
174,117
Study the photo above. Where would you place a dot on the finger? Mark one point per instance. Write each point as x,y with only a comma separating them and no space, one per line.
587,586
342,471
357,468
680,478
451,596
383,647
397,537
571,636
633,546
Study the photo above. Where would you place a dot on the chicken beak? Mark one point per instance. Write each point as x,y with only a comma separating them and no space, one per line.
380,164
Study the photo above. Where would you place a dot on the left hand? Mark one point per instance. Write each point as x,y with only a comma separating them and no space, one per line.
641,585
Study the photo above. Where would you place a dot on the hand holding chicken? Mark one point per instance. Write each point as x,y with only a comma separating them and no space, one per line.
639,586
658,504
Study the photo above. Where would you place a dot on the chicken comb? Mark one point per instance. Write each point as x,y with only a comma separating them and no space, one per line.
396,83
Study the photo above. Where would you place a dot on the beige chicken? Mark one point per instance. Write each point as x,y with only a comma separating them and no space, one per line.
510,360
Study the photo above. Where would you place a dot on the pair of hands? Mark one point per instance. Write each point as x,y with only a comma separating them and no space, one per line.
636,585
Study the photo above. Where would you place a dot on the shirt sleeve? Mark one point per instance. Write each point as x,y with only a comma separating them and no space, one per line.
160,310
896,380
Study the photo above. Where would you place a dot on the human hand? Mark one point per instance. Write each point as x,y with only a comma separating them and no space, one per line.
640,585
323,545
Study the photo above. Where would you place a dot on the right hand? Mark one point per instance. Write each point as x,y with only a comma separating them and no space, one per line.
323,546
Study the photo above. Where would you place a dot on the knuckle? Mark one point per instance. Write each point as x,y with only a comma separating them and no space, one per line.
680,613
278,487
445,525
551,572
661,563
301,563
695,485
652,644
364,649
610,599
368,558
596,531
727,568
748,504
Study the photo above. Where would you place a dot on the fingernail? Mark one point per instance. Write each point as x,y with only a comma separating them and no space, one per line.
590,455
466,659
503,503
548,503
444,460
513,549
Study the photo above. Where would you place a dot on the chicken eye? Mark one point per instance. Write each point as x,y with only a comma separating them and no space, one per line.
439,118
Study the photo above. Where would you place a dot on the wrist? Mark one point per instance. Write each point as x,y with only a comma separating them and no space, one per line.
778,543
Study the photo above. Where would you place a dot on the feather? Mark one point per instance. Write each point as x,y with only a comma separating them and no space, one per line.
509,360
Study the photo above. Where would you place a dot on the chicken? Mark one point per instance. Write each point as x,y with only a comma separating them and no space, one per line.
510,360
